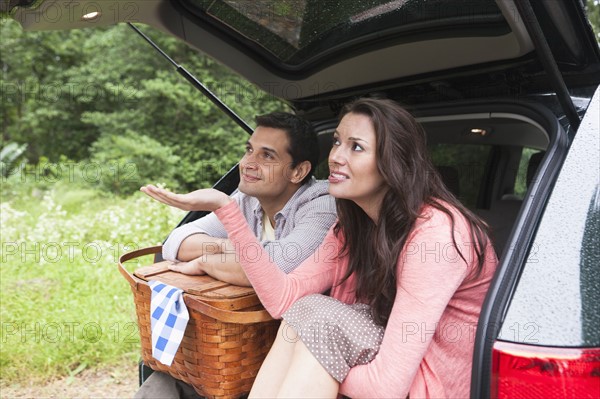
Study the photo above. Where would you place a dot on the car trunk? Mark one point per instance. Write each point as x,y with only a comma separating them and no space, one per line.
497,78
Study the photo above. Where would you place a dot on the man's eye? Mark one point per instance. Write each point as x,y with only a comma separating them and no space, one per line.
248,150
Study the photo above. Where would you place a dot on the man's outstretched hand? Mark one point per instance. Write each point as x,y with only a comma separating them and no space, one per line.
206,199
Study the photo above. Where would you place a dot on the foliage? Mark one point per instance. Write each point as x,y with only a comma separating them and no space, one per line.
39,104
9,155
127,162
101,113
92,104
65,307
593,13
521,186
64,90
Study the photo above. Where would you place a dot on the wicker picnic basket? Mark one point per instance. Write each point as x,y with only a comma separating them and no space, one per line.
227,337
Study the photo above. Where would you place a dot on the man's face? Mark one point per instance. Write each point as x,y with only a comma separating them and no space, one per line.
266,168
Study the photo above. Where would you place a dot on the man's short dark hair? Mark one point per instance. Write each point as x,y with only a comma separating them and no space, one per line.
304,145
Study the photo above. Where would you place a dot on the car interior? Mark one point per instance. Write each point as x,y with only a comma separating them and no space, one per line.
488,160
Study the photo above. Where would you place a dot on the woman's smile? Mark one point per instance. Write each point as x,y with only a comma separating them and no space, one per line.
337,177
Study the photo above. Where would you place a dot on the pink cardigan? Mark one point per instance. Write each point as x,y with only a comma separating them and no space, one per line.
427,348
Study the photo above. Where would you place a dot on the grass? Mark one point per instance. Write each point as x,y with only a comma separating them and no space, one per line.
64,306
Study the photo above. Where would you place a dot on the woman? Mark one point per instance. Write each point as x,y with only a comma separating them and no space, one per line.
407,266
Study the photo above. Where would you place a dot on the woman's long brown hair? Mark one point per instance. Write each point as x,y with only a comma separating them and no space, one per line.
403,161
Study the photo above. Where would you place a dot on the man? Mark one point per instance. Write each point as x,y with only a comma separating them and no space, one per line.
284,205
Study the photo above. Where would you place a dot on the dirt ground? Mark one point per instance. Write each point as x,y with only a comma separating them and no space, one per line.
120,382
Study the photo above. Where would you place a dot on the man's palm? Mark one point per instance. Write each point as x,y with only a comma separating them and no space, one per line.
206,199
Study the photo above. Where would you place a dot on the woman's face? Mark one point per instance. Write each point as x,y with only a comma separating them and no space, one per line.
353,164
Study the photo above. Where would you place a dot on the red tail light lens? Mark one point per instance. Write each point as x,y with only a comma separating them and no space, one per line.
526,371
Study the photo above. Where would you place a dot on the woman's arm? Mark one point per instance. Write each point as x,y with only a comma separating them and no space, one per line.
277,290
429,274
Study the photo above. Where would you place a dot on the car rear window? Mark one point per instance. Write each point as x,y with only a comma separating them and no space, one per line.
522,182
466,164
294,31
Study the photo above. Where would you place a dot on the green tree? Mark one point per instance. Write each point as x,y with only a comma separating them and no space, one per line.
129,161
593,13
64,90
37,107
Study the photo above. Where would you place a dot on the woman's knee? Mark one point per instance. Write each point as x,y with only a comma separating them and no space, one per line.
288,333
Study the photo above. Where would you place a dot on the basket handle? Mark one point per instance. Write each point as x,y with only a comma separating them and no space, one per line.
139,252
228,316
132,255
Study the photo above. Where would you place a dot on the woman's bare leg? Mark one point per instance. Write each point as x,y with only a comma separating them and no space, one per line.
306,378
275,367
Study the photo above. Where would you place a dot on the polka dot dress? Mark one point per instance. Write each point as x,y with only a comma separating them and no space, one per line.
340,336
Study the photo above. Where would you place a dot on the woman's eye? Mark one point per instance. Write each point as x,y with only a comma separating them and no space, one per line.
357,147
248,150
336,141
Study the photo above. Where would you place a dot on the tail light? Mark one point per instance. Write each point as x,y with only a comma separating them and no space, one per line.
526,371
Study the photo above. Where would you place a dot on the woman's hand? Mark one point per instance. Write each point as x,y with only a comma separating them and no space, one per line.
207,199
192,268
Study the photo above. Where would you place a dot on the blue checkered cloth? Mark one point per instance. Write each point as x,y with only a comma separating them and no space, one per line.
168,318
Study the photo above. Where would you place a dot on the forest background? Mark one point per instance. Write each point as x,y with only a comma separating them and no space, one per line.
76,147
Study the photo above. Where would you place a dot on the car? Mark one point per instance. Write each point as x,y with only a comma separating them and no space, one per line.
508,93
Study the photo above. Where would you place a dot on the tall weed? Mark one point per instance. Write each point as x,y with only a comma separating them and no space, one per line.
64,306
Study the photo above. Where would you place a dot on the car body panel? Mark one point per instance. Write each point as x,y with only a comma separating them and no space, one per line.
520,254
570,268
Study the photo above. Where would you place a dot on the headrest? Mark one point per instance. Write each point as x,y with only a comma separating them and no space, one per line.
450,178
532,167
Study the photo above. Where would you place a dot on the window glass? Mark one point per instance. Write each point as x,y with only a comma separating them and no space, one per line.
462,168
295,30
521,182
